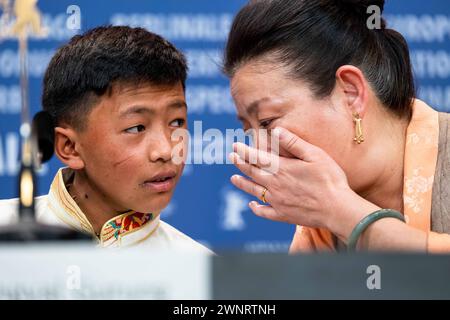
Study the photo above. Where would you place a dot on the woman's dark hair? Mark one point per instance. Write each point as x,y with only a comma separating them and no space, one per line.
86,68
313,38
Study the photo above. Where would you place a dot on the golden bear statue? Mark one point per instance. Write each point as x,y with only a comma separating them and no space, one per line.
27,14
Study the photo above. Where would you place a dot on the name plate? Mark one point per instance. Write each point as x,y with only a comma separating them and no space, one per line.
61,271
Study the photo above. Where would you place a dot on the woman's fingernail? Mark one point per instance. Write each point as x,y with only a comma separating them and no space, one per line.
234,157
235,177
238,145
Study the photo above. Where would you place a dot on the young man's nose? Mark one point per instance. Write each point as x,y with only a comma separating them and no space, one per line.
160,146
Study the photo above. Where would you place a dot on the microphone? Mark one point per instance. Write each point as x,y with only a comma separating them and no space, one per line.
43,131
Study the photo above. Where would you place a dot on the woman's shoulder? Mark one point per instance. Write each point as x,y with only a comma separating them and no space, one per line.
444,131
440,208
444,116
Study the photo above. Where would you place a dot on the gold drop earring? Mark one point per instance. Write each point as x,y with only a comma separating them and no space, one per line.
359,137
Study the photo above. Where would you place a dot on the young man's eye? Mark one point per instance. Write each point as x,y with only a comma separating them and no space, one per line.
178,123
135,129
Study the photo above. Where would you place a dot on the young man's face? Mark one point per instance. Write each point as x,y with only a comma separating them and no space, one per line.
127,147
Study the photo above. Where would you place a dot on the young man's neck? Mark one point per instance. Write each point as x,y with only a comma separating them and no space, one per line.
95,205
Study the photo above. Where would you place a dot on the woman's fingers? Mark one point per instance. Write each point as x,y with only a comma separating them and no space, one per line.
296,145
264,211
262,159
250,187
258,175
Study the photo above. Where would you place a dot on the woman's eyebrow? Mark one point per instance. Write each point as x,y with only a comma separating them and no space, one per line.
254,106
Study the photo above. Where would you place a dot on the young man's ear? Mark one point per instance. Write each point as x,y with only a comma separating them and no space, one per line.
355,88
66,148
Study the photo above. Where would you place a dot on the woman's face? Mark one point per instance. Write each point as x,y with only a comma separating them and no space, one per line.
266,98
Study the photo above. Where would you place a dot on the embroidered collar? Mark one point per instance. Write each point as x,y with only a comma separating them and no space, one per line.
125,229
123,224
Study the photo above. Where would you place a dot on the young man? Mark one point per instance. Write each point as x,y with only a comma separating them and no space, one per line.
116,94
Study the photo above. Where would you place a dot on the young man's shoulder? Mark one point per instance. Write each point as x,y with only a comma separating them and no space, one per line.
9,209
179,240
166,234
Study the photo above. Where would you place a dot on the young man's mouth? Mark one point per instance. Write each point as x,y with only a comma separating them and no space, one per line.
161,182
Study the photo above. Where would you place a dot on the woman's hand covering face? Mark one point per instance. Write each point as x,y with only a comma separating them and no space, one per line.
304,189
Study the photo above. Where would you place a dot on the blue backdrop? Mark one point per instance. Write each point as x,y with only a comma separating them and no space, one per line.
205,206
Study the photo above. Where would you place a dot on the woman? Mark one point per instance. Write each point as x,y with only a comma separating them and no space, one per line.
353,138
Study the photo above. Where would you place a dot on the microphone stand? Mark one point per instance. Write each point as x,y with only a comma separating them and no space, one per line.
28,229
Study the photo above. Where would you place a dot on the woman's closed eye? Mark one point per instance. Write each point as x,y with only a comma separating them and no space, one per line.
264,124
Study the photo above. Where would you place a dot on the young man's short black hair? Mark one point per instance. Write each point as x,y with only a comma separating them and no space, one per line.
87,67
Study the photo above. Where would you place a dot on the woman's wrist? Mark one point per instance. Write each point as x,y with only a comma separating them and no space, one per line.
367,221
349,210
387,234
391,234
